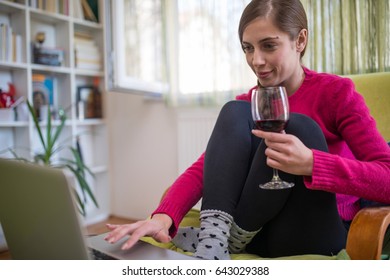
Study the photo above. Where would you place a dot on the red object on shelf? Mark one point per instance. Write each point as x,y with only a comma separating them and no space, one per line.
7,98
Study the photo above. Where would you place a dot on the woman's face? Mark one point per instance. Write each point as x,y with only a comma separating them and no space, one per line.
273,57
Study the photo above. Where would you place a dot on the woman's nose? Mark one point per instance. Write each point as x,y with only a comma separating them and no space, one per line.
258,58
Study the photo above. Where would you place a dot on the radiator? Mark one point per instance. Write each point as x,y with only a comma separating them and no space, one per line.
194,128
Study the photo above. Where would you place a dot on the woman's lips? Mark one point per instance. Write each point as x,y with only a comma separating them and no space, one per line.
263,75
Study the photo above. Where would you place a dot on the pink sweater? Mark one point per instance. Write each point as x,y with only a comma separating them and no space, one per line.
358,162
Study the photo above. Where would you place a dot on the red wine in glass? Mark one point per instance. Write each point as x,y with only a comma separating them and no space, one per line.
271,125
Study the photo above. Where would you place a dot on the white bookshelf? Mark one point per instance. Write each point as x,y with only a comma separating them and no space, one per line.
59,28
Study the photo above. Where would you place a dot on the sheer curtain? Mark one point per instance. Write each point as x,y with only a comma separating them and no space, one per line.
348,36
211,64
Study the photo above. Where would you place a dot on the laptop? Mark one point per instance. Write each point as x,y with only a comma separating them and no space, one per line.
40,220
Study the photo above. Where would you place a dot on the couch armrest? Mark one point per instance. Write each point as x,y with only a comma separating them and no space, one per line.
366,234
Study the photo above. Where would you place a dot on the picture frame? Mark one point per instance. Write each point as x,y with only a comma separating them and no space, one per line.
43,95
89,104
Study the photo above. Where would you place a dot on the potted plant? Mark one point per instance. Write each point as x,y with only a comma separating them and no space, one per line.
51,146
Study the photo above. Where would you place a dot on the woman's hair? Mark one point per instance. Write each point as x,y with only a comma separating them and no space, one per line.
288,15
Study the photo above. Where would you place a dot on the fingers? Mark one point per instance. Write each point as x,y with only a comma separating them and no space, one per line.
147,229
287,153
271,138
130,242
120,231
111,226
136,231
276,141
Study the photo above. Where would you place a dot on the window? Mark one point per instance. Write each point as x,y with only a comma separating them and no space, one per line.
138,56
191,45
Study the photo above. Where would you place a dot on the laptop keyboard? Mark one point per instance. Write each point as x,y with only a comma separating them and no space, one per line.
97,255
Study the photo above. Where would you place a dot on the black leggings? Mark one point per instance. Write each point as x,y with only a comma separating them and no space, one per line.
293,221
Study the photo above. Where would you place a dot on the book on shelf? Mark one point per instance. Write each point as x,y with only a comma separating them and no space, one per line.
86,10
17,48
77,9
52,6
43,94
86,52
88,13
94,5
10,44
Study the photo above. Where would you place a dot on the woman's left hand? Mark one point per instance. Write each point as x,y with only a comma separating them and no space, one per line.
287,153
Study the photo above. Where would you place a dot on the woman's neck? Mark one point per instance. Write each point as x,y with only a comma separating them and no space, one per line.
296,81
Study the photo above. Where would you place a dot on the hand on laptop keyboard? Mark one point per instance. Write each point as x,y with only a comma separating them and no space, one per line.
157,227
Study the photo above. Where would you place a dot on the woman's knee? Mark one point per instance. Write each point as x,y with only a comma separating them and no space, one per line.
236,108
307,130
235,114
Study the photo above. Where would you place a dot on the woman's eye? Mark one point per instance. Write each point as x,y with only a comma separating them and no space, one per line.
269,46
247,49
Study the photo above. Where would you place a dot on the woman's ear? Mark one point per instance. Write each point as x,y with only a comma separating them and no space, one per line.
301,40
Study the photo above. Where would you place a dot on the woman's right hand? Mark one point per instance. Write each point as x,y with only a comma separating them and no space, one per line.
157,227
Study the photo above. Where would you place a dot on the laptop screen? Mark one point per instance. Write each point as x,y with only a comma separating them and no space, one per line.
37,213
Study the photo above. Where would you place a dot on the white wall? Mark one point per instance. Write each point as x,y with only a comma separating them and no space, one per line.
143,153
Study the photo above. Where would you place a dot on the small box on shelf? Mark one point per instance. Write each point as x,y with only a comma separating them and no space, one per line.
7,115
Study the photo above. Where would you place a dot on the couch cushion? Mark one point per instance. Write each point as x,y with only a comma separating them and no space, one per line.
375,89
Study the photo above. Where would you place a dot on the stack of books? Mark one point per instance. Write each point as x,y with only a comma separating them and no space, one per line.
87,54
10,44
53,6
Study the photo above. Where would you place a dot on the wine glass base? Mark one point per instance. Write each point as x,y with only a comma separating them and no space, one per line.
276,185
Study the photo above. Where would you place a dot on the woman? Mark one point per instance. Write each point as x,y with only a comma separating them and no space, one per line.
331,150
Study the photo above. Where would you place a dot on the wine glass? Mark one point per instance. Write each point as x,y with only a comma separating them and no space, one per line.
270,112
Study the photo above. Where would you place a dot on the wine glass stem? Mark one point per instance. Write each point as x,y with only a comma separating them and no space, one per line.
275,175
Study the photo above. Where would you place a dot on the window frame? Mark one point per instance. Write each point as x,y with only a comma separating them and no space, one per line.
116,79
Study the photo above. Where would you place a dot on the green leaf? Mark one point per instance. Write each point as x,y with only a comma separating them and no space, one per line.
80,203
36,123
59,129
83,184
49,150
79,162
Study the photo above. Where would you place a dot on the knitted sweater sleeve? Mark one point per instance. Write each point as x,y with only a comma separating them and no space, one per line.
184,193
368,175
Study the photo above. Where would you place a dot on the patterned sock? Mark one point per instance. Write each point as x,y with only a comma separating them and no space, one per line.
239,238
187,238
213,236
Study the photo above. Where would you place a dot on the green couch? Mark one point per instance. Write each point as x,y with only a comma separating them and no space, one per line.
367,233
375,89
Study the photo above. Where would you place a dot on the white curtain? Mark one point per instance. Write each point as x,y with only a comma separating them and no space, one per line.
348,36
211,63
